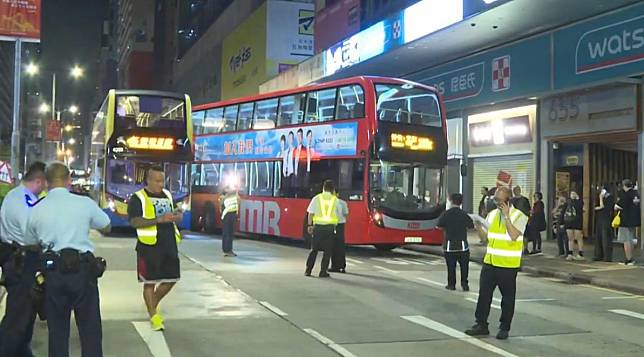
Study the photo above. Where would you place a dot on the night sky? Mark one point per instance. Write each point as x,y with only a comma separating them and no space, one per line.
71,34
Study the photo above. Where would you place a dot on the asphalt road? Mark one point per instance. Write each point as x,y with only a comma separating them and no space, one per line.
389,304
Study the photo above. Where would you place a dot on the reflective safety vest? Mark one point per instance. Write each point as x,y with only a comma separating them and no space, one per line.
230,205
501,250
148,235
327,208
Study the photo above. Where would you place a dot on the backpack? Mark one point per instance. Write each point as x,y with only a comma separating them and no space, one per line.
570,215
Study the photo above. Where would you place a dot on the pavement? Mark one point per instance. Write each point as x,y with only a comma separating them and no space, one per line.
388,304
603,274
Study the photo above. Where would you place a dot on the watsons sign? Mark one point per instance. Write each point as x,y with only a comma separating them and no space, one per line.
611,46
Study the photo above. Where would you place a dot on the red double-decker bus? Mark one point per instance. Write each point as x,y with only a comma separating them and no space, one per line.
383,141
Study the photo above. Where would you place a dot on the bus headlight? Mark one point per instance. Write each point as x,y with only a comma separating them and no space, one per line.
377,218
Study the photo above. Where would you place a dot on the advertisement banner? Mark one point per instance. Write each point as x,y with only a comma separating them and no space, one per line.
336,21
513,71
20,19
53,131
290,34
313,142
243,66
606,47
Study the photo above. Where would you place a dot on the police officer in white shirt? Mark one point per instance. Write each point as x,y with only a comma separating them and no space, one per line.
20,258
61,223
323,213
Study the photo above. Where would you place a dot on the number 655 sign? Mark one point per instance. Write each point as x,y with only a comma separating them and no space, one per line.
563,107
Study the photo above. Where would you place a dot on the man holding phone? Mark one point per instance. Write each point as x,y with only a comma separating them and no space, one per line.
151,211
505,227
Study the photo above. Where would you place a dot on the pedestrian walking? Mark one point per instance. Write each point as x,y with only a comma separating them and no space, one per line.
339,256
454,223
505,227
323,213
151,211
559,227
604,213
536,223
573,221
628,205
20,260
229,207
61,223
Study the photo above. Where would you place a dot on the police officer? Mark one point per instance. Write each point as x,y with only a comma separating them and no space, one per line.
20,260
505,229
339,255
229,207
322,221
61,223
151,211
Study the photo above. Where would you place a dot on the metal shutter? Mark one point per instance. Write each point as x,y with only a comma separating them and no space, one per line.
486,170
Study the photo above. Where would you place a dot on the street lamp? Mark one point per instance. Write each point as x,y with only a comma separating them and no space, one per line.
73,109
77,71
44,108
71,141
32,69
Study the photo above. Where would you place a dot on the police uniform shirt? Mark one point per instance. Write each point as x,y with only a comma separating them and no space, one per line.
162,206
315,209
344,211
63,220
14,215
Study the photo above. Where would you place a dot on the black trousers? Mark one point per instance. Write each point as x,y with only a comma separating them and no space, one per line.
562,241
463,259
604,241
323,236
17,326
339,256
228,232
506,280
77,292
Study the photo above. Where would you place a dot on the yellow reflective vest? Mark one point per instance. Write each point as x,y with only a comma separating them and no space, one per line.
501,250
327,208
148,235
230,205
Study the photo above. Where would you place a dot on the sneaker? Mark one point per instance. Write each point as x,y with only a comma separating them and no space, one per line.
307,273
537,252
465,287
579,257
324,275
343,271
569,257
478,330
502,335
230,254
333,270
156,322
628,262
450,287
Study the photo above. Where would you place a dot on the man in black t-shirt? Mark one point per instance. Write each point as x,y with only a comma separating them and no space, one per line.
520,202
455,223
151,212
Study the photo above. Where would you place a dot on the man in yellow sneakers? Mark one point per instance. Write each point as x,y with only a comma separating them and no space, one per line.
151,211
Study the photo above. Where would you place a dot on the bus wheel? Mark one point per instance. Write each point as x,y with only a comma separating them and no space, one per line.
209,220
386,247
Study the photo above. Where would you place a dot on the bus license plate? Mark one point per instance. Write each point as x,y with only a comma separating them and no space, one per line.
413,239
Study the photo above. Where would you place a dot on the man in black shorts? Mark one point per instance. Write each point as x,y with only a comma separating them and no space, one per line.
151,211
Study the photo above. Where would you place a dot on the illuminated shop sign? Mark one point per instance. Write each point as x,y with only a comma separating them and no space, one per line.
416,21
411,142
501,131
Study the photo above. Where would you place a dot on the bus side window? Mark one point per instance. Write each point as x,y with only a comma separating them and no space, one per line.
321,105
265,114
291,109
213,121
350,102
245,116
261,178
230,118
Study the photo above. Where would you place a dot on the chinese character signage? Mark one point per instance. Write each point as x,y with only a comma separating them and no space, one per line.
307,143
53,130
20,19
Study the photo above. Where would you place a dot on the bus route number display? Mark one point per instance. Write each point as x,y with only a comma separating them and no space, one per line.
411,142
150,143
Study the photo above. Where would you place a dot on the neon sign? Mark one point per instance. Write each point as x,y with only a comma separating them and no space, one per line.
411,142
150,143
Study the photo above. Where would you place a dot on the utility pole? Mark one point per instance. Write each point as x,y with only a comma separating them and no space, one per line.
15,135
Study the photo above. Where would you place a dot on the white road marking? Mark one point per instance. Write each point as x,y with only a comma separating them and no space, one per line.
355,261
329,343
390,261
605,289
350,264
621,297
427,262
409,261
436,262
535,300
628,313
154,339
476,301
386,269
273,308
431,282
612,268
493,299
444,329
